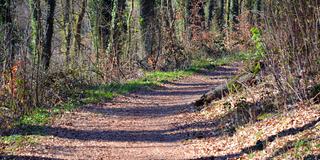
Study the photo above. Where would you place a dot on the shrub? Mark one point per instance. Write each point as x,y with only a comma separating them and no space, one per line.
292,42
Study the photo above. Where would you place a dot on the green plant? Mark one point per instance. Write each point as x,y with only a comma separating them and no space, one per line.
210,64
259,50
251,155
234,87
15,141
37,117
264,116
301,148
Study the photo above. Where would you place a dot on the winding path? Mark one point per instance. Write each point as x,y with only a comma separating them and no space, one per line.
154,124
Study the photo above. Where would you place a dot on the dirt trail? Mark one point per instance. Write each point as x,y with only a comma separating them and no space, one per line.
156,124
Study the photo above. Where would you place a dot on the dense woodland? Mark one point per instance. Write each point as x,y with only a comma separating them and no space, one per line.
50,48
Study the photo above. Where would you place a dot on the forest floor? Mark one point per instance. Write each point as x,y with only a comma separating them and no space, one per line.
162,123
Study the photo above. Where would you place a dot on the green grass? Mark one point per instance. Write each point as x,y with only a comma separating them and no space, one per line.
37,117
210,63
302,148
264,116
151,79
101,93
15,141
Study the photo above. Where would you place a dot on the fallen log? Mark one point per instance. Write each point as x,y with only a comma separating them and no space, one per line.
224,89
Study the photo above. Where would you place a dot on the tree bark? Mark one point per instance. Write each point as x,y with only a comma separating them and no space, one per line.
119,34
68,28
148,14
235,11
106,22
47,53
221,15
6,20
79,27
212,12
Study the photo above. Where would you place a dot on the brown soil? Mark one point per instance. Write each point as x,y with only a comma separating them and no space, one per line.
147,124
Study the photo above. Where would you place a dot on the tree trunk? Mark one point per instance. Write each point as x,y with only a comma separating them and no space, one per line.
47,53
212,12
68,28
228,13
259,9
235,11
36,46
216,15
106,22
148,14
6,21
79,27
188,19
119,34
223,90
221,14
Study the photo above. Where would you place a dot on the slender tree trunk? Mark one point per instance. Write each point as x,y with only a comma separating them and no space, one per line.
120,32
212,11
228,13
129,28
259,9
68,28
47,53
221,13
36,46
188,19
79,28
106,22
235,11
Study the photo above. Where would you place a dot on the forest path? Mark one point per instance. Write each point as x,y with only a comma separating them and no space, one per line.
146,124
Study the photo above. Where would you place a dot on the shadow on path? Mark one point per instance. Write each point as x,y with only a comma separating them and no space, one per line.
178,132
12,157
204,129
154,111
160,136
